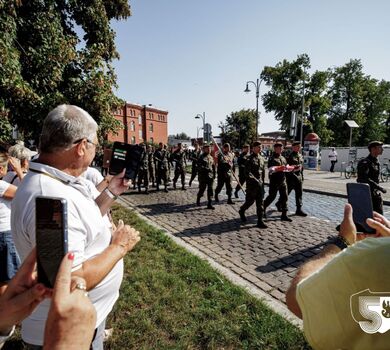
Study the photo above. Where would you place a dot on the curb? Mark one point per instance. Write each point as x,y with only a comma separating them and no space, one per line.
269,301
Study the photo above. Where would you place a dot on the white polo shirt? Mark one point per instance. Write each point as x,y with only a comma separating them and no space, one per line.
5,208
88,236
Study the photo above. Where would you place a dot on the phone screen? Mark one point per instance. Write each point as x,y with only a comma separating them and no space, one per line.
51,237
125,156
359,196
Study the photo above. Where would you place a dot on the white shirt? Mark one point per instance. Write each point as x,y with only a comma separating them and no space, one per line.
5,208
12,178
93,175
332,155
88,236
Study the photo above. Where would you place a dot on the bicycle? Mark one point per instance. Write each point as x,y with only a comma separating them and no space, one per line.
385,172
351,169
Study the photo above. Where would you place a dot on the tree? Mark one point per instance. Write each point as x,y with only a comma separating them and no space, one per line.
285,81
318,100
239,128
5,129
347,101
44,61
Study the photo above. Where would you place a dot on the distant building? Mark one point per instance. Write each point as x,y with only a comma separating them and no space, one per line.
174,142
141,123
268,139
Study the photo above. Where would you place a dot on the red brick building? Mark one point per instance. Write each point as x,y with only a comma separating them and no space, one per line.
141,123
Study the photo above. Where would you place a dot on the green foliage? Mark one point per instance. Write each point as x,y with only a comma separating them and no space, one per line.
181,136
239,128
331,97
285,81
45,62
5,129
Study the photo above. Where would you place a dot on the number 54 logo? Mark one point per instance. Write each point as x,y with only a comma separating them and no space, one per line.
371,310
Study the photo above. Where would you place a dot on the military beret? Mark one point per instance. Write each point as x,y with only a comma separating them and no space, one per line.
374,144
206,144
226,145
278,144
256,143
296,143
245,146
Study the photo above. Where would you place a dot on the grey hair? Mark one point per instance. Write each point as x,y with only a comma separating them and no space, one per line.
63,126
20,151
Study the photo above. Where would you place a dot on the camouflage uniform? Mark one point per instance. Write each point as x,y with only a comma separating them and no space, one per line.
161,161
255,172
368,171
277,182
224,175
241,162
143,171
194,156
152,167
206,176
179,157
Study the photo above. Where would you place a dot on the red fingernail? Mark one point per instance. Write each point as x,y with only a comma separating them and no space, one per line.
71,256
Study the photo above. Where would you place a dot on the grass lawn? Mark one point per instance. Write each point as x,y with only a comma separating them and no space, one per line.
171,299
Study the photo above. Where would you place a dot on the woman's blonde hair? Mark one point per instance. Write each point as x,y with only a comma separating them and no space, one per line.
3,159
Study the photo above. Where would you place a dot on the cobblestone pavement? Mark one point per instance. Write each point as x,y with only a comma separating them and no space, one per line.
266,258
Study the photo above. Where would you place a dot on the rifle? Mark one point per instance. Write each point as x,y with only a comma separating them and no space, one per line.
234,175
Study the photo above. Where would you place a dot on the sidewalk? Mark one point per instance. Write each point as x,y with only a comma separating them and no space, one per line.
334,184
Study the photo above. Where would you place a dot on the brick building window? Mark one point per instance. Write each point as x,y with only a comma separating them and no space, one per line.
151,127
132,126
140,134
140,119
151,140
133,140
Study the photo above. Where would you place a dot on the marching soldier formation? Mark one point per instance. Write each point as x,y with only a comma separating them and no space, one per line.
285,175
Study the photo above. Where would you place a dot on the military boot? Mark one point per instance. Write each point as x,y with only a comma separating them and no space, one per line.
261,224
166,189
242,215
183,188
229,201
236,193
174,185
146,191
209,206
216,198
300,212
284,217
198,201
277,205
139,189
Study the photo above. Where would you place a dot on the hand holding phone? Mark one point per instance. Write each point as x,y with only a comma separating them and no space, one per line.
359,196
125,156
51,234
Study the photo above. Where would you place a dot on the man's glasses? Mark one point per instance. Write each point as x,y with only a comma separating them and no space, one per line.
97,146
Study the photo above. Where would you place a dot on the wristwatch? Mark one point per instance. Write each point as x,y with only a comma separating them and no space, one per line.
341,242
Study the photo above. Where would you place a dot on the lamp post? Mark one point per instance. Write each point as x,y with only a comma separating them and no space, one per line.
257,86
197,132
203,117
303,108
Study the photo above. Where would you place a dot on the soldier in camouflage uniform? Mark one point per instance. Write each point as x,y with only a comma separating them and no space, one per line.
194,157
224,172
179,157
143,171
277,181
206,175
161,161
152,168
255,172
368,170
241,161
295,177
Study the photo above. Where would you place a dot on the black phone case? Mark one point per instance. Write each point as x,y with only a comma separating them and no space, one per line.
51,239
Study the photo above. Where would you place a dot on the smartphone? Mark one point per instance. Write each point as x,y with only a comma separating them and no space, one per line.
51,232
125,156
359,196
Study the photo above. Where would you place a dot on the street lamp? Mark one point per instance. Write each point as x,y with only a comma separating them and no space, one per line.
197,132
257,86
203,117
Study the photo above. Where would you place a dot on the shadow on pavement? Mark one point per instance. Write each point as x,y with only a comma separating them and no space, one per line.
294,260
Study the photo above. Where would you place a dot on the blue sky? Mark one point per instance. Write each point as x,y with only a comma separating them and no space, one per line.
190,57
